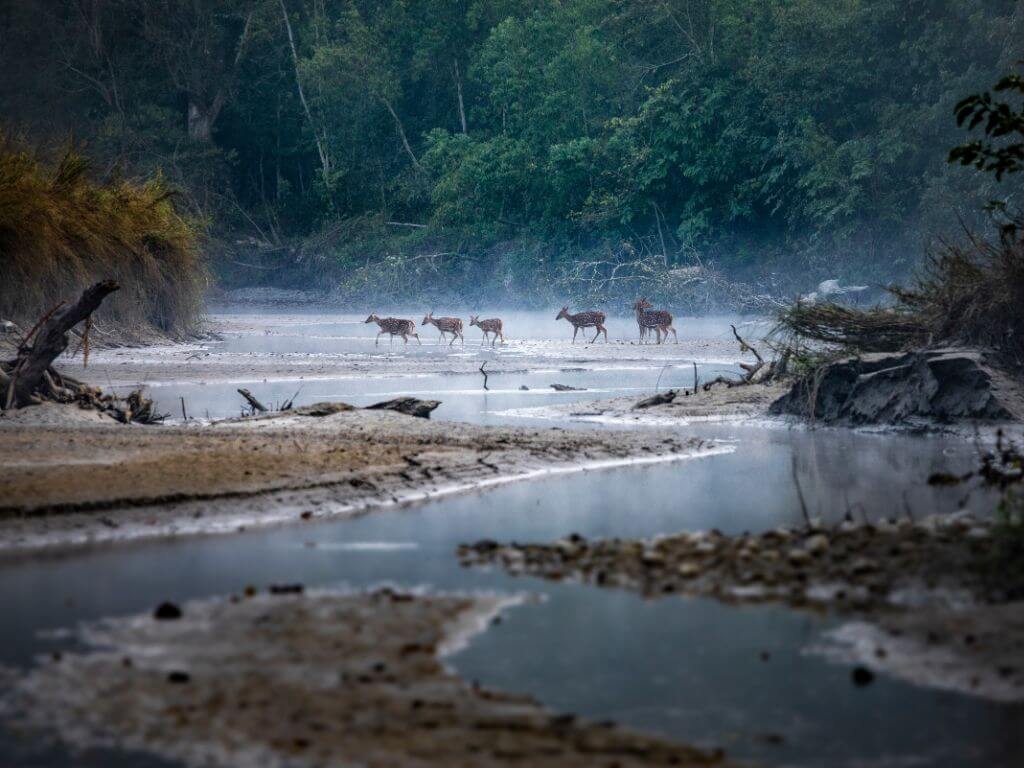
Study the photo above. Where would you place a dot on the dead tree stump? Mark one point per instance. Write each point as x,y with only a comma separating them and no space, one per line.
50,342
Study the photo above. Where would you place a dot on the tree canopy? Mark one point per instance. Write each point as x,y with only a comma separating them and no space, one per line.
785,134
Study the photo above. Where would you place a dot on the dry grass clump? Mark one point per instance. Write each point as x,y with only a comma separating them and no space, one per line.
968,293
60,231
873,330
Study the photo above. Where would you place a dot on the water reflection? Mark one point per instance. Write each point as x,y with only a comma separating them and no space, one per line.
691,669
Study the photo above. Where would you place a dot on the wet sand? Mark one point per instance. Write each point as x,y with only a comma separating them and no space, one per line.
85,484
747,404
324,679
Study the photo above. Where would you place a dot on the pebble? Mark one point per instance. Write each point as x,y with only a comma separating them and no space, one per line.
798,556
689,569
816,544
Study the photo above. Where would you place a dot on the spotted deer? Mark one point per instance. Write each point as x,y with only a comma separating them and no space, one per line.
657,320
494,325
395,327
590,319
452,325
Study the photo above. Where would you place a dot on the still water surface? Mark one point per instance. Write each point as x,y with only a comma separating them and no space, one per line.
691,669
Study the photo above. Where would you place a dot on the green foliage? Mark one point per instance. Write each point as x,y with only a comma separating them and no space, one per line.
1000,122
795,136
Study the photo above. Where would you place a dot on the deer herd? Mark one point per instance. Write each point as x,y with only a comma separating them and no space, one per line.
648,319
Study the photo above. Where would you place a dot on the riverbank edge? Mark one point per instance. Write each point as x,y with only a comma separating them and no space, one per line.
308,677
429,460
915,596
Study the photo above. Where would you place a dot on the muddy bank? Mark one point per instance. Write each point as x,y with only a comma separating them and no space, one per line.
672,407
931,585
918,388
309,680
70,485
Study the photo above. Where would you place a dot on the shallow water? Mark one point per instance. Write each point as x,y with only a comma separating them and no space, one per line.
538,354
691,669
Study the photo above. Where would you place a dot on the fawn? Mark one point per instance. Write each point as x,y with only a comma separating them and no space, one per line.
494,325
395,327
590,319
452,325
657,319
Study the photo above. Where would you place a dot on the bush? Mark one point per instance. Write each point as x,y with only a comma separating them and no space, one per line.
967,293
61,231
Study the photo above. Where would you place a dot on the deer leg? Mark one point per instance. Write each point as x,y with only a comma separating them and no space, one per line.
502,336
376,341
674,334
575,330
418,339
454,336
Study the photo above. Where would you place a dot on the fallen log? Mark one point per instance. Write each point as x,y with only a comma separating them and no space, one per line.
410,406
662,398
50,342
255,404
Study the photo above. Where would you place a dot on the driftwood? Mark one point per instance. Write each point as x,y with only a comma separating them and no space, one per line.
255,404
50,342
758,372
663,398
567,388
29,378
410,406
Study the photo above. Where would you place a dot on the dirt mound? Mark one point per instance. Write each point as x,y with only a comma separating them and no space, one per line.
54,415
928,386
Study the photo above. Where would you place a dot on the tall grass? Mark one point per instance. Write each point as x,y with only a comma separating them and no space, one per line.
60,231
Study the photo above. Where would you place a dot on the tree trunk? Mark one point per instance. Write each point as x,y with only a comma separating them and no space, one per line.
200,123
458,90
401,133
321,144
51,341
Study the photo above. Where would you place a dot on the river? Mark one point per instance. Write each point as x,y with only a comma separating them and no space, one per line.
740,678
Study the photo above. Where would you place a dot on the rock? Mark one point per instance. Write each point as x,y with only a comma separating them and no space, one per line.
798,557
689,569
167,611
862,676
861,566
410,406
177,676
816,544
286,589
901,388
6,326
523,388
567,388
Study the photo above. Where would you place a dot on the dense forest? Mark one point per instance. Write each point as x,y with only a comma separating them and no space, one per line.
524,149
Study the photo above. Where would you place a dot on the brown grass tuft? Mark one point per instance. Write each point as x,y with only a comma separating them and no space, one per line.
61,231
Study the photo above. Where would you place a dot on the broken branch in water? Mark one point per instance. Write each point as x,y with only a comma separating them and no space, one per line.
800,493
484,373
255,404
